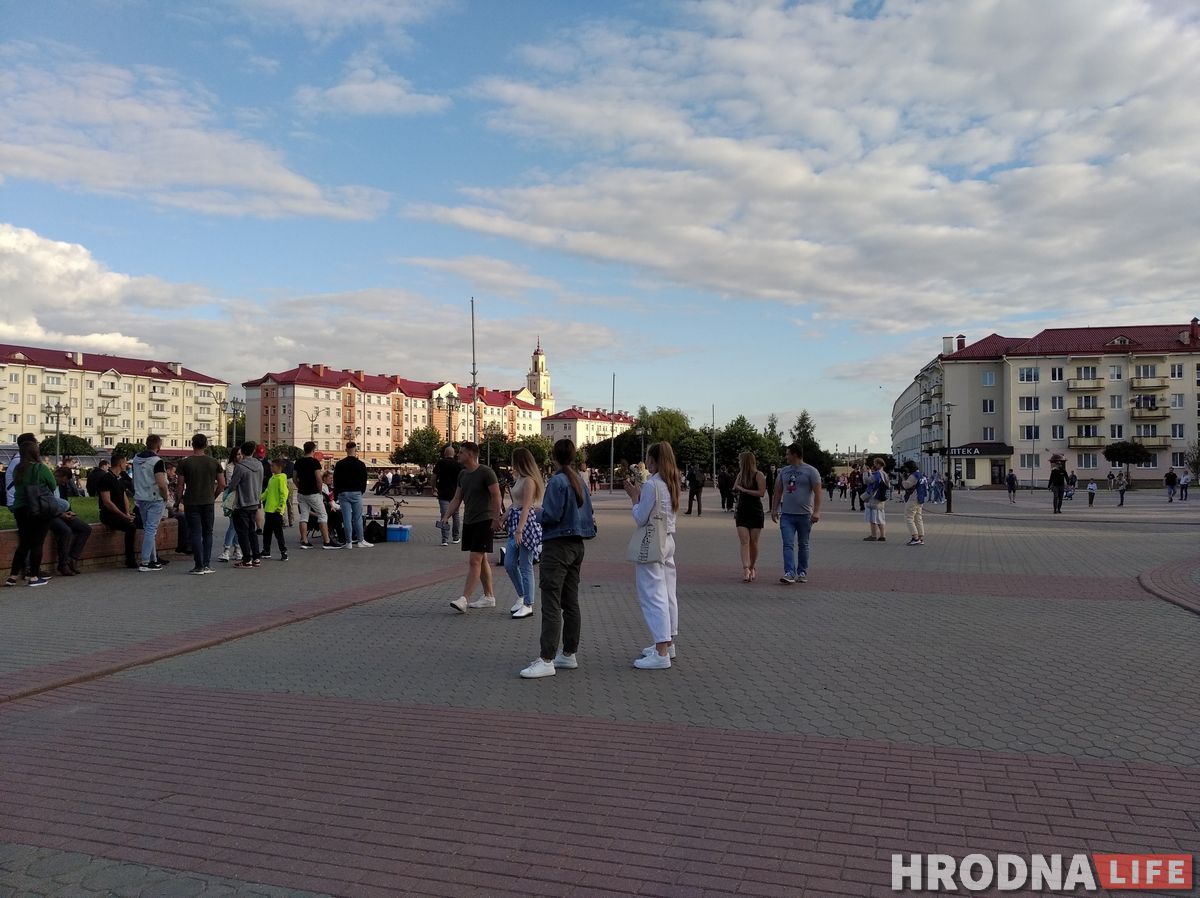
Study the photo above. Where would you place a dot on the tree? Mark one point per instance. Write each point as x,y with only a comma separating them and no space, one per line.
130,449
1191,458
667,424
495,447
540,447
220,453
804,432
772,443
69,444
694,447
1127,453
737,436
284,450
424,447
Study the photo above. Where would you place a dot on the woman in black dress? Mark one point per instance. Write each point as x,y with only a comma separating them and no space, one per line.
748,490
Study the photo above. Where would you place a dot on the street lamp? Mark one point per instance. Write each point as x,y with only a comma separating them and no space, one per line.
949,462
451,404
641,432
312,421
233,408
57,411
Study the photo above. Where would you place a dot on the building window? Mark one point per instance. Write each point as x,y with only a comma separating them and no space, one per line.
989,434
31,419
31,379
1088,461
1027,375
989,406
1027,403
1176,400
989,378
1145,371
1116,401
1087,402
1086,372
91,385
1057,373
1176,371
1152,463
14,378
1087,430
1177,431
1056,403
1145,430
1057,432
1029,432
1116,372
1116,431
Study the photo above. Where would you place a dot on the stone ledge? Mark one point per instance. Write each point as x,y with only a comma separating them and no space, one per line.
106,548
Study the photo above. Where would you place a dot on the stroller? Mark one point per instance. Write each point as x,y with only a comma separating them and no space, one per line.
1069,492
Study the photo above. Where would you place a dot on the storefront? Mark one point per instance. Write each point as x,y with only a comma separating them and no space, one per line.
980,464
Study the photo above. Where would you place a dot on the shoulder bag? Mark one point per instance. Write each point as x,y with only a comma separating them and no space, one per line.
40,499
648,545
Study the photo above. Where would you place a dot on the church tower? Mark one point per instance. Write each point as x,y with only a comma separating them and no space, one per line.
537,381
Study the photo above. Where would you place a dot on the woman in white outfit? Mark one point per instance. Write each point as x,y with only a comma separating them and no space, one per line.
656,580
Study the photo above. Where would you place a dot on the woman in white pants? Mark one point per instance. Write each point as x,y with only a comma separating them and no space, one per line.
656,580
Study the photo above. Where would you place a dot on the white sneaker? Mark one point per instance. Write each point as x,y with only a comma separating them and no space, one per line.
363,544
224,556
566,662
523,611
653,650
539,668
652,662
460,605
517,605
802,577
483,602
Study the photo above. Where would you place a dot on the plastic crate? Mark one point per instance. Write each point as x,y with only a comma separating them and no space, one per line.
398,533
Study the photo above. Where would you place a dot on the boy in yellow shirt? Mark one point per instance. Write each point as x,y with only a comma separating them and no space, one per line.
275,499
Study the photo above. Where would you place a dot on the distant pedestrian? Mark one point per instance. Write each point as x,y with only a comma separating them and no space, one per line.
246,487
1058,485
94,475
310,503
28,475
855,479
938,488
113,490
525,529
350,482
231,550
695,483
725,487
567,520
749,489
1122,485
150,493
201,482
275,502
1011,482
70,534
656,578
1185,480
1112,479
1091,491
1171,481
478,493
874,500
796,506
445,479
916,491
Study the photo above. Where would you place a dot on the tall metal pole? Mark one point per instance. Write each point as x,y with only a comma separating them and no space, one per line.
714,442
949,463
474,381
612,438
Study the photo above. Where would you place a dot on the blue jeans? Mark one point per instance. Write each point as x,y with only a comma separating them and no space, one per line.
444,504
152,513
792,526
518,561
352,515
231,538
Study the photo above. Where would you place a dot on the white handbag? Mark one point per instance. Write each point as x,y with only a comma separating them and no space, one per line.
648,545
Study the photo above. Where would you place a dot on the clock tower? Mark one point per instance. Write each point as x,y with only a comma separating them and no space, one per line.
537,381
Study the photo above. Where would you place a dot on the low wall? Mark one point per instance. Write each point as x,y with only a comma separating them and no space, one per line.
106,548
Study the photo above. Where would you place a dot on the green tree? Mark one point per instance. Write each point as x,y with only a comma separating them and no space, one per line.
1127,453
70,445
495,447
284,450
130,449
694,447
424,447
804,432
540,447
1191,458
772,443
734,438
220,453
661,424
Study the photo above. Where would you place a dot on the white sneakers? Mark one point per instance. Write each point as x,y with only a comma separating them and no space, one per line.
516,605
541,668
460,605
652,662
653,650
363,544
523,610
483,602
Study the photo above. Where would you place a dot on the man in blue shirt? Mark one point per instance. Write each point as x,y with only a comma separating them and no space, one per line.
796,506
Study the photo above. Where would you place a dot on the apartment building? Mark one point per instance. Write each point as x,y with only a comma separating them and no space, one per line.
379,411
1012,402
585,427
107,399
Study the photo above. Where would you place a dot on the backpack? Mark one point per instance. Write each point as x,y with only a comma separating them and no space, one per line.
883,490
374,533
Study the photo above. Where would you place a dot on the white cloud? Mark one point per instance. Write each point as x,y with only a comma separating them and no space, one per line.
323,20
489,275
144,133
947,160
369,87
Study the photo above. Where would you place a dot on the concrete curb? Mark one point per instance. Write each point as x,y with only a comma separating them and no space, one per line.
1174,583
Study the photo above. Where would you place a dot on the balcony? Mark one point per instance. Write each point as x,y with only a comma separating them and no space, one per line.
936,391
927,422
1085,414
202,415
108,412
1148,383
935,445
110,393
109,428
1155,442
1158,413
1085,384
205,400
158,396
159,413
53,388
1086,442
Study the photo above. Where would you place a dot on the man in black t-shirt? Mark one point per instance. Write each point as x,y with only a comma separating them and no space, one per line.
309,500
113,489
445,478
349,483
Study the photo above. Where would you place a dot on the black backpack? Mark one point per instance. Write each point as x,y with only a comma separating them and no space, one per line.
374,533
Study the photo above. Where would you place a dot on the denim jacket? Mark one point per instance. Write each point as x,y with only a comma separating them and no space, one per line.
562,516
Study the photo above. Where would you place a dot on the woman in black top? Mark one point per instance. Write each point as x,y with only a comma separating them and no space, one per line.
748,490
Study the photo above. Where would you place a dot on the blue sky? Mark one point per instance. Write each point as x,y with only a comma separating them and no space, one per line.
765,206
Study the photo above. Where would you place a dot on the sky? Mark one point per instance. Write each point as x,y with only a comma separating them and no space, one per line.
761,207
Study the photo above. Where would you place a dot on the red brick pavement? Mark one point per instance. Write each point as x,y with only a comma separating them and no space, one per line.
33,680
376,799
1177,582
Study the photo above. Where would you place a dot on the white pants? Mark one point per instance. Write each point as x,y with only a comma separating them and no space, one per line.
914,516
657,596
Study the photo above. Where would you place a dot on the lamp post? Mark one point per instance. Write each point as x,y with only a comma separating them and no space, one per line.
641,432
312,421
949,462
56,411
233,408
451,404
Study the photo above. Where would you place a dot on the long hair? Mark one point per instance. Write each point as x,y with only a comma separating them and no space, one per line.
564,457
664,457
31,454
747,471
523,464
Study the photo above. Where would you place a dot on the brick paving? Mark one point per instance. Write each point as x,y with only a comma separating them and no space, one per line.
1011,686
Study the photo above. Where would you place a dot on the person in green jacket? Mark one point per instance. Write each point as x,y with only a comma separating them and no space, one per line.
31,529
275,500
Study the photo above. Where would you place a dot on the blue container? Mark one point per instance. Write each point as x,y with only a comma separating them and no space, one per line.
398,533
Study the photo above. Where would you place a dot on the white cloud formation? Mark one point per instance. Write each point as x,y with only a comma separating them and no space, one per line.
965,161
144,133
323,20
369,87
489,275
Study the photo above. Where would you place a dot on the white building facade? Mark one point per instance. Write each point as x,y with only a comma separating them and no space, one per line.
585,427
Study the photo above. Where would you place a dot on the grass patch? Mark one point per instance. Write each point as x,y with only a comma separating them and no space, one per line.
88,510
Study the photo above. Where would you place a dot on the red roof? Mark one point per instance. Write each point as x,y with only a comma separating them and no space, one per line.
88,361
579,414
1142,338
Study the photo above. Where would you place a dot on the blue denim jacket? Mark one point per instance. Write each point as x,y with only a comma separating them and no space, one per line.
561,515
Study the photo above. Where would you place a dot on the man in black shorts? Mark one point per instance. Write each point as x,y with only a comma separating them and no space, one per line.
479,494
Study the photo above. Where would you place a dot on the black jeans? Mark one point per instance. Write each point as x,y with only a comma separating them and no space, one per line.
273,526
129,528
31,535
694,494
245,523
70,535
561,562
1058,497
200,529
